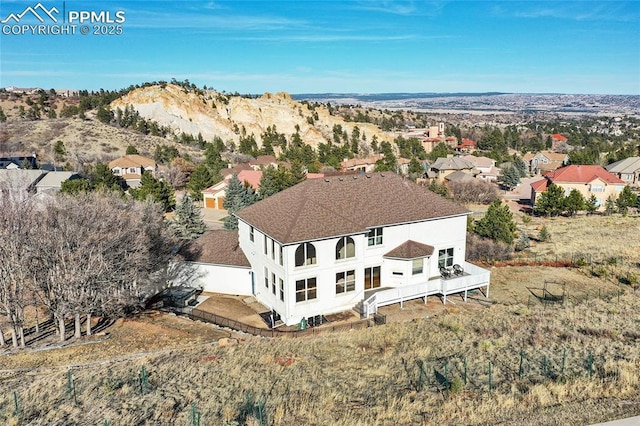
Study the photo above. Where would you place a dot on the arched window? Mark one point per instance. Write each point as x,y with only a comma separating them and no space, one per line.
305,254
345,248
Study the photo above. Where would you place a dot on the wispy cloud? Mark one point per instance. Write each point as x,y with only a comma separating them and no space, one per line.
575,10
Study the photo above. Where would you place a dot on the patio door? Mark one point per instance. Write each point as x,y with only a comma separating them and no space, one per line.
371,277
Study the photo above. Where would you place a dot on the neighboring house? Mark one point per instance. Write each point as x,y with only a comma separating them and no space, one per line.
443,167
361,241
366,165
628,170
263,161
52,181
544,162
19,180
485,166
215,263
588,179
18,162
558,142
467,146
130,168
214,196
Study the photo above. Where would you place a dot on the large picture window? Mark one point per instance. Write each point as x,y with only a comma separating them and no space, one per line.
306,289
417,266
345,281
374,237
345,248
445,258
305,254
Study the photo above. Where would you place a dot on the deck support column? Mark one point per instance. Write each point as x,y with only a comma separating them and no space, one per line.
465,295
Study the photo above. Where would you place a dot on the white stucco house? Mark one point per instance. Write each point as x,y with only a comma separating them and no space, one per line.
363,241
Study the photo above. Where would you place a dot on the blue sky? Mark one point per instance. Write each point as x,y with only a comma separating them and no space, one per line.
334,46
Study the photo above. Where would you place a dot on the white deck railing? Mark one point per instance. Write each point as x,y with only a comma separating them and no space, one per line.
474,277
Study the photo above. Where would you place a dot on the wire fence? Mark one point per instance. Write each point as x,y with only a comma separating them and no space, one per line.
197,314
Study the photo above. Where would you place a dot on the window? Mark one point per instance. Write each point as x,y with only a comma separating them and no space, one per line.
375,237
371,277
266,277
266,247
281,285
345,248
132,170
281,255
597,188
273,283
306,289
416,268
345,281
273,250
445,258
251,234
305,254
397,273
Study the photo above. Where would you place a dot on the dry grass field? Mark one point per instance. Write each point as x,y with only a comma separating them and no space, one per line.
519,360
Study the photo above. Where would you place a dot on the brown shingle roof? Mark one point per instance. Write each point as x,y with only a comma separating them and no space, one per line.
410,250
324,208
217,247
132,160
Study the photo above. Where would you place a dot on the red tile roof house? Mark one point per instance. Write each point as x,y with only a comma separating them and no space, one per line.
333,244
588,179
130,168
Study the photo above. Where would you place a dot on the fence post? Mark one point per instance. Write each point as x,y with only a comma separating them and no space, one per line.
564,360
590,361
71,388
16,403
464,374
490,378
545,366
521,367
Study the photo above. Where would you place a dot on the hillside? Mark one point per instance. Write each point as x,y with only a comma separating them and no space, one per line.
191,112
229,117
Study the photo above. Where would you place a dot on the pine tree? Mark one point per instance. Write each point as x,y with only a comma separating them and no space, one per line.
497,223
625,200
188,223
155,190
235,197
200,179
551,201
574,202
509,177
591,204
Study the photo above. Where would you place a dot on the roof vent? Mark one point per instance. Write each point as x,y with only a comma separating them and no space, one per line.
381,174
340,179
327,180
368,176
355,177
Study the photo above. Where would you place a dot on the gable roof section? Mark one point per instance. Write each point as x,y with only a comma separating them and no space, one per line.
410,250
217,247
132,160
55,179
540,185
582,174
628,165
453,163
324,208
558,137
